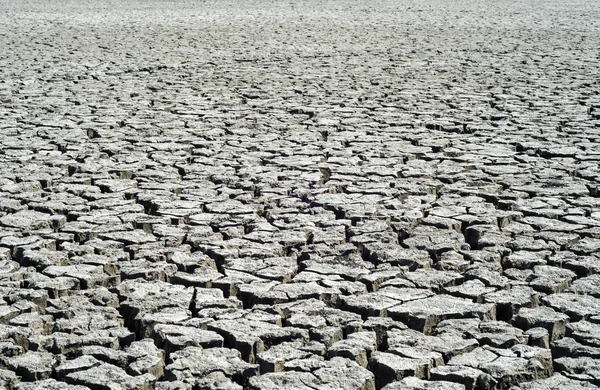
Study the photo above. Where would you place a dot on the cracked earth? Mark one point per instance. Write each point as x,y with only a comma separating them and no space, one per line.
300,195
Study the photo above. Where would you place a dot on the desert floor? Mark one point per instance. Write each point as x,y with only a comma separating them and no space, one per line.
300,195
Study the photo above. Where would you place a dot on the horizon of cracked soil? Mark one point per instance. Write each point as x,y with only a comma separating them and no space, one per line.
300,195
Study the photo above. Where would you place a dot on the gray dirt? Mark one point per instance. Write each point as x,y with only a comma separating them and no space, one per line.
299,195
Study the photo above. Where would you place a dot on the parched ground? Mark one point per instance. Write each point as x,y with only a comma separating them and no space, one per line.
300,195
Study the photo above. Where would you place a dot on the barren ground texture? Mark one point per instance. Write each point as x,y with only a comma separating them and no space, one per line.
306,195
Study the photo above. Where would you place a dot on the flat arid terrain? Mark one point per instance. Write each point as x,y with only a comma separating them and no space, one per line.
302,195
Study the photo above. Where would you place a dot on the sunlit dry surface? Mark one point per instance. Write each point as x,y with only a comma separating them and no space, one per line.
301,195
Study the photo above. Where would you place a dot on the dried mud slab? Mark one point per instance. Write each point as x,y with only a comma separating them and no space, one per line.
299,195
